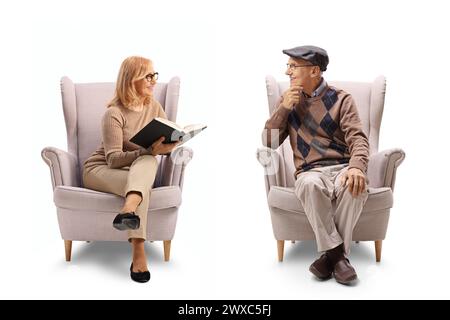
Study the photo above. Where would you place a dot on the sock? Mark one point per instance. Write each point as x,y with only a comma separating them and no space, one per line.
336,254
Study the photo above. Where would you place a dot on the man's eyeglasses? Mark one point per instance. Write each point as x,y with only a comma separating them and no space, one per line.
293,66
152,77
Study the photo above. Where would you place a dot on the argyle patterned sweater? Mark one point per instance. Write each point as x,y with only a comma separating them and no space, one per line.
323,131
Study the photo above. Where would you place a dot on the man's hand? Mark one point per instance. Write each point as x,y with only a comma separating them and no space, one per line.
158,147
356,181
292,96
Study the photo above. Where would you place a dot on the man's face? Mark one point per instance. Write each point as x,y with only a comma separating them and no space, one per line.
301,72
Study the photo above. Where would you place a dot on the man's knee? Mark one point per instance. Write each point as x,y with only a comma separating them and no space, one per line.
343,191
310,183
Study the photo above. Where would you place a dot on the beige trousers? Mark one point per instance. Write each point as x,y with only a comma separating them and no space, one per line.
138,177
330,208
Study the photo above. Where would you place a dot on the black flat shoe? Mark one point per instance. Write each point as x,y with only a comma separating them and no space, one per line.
139,276
126,221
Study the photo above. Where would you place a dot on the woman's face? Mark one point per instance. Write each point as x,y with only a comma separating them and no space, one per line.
144,87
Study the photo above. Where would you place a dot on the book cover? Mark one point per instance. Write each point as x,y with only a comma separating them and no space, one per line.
159,127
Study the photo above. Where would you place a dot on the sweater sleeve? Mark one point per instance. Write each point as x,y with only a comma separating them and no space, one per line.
276,128
130,146
112,131
354,135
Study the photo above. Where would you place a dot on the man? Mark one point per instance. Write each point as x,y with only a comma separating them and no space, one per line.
330,154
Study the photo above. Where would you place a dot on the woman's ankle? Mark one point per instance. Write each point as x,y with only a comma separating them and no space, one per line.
132,201
128,209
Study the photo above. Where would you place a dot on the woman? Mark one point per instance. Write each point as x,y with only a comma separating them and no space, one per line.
122,167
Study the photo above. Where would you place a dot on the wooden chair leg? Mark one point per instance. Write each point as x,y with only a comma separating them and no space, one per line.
378,245
167,244
68,247
280,245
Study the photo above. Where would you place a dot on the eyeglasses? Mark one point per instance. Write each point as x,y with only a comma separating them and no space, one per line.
293,66
152,77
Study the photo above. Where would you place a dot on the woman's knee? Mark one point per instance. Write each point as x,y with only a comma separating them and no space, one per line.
150,159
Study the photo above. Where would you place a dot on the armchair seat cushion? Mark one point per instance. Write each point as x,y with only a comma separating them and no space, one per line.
285,199
90,200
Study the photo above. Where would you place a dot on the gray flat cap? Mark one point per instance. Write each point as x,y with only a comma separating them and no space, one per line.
317,56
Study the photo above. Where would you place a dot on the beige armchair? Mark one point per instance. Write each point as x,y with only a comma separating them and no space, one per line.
289,221
87,215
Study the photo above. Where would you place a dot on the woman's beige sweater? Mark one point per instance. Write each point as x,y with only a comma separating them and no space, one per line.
119,125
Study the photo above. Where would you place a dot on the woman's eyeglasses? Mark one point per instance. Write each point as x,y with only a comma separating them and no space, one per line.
152,77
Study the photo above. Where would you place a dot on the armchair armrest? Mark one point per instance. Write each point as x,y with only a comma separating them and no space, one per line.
173,166
63,167
382,167
273,164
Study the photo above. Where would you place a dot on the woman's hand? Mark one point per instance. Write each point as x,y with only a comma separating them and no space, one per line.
158,147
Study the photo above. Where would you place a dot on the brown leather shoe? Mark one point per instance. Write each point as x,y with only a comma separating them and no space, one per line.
322,267
343,272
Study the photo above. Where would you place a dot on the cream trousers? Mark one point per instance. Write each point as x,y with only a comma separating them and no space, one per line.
330,208
139,176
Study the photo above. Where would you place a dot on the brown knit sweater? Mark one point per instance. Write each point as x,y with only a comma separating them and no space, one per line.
119,125
323,131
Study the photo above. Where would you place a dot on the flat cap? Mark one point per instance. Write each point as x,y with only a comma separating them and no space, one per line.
317,56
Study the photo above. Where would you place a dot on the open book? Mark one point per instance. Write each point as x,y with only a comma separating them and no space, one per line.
172,132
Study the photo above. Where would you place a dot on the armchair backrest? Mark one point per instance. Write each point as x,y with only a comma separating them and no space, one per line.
369,99
85,103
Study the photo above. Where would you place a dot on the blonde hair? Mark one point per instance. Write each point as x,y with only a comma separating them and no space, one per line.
132,69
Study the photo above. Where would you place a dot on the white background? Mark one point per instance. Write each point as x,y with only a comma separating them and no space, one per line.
224,246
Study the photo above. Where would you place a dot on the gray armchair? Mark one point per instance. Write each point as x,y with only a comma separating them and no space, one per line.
87,215
289,221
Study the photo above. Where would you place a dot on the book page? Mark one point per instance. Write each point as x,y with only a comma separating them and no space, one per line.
193,127
170,124
191,130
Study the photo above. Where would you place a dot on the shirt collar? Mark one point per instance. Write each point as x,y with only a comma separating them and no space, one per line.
319,89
